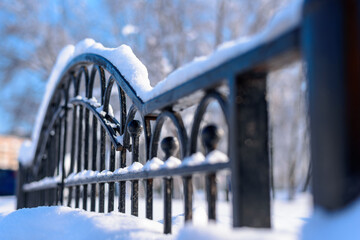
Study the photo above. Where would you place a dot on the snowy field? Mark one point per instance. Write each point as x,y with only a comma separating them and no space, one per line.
67,223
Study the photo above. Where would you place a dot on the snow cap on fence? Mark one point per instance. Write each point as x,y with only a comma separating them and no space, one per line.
121,57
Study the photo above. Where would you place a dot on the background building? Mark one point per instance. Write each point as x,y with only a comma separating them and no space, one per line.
9,150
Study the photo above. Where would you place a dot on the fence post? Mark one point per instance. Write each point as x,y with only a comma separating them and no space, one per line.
249,156
170,146
330,40
134,129
210,137
20,194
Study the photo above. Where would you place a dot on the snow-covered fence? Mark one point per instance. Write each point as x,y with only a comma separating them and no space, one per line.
80,146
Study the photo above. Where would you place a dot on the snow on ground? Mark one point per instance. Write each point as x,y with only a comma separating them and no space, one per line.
215,232
7,205
334,225
67,223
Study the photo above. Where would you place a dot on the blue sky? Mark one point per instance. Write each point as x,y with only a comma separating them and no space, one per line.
30,82
10,95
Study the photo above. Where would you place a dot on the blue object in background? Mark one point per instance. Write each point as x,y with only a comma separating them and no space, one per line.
7,182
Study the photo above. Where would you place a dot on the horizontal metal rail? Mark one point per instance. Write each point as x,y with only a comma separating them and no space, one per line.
35,186
113,177
267,57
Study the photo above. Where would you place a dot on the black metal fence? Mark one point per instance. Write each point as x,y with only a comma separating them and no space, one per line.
75,126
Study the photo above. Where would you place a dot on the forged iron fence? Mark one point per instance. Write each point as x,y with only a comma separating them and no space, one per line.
96,140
